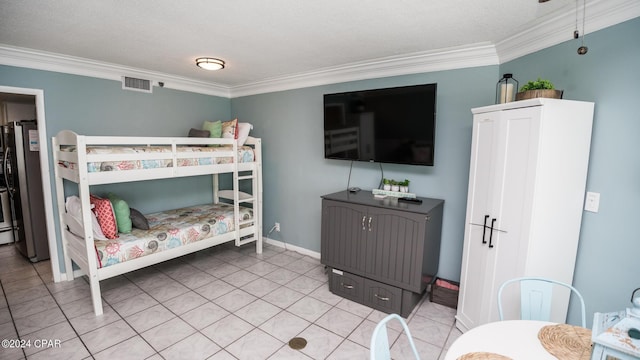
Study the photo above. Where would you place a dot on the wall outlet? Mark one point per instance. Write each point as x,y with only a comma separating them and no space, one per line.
592,202
278,227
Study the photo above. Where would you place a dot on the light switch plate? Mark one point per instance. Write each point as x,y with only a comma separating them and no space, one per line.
592,202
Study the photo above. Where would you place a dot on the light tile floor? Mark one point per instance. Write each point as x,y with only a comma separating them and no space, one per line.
221,303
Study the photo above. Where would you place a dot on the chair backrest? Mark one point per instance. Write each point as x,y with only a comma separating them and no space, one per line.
380,340
535,298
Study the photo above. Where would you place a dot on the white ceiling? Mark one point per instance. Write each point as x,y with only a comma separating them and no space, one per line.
264,41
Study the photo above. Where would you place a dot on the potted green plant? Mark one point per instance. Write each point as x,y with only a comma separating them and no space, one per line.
386,184
538,88
394,186
404,186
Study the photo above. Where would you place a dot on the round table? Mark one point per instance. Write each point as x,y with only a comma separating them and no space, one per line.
516,339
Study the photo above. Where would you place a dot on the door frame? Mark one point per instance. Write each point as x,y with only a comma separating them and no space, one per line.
46,177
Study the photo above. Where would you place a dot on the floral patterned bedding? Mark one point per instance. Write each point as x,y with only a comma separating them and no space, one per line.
169,229
245,154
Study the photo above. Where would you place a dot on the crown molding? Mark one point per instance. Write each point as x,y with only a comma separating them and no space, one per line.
446,59
41,60
553,30
559,28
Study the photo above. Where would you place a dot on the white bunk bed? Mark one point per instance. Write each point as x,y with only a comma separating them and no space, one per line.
76,160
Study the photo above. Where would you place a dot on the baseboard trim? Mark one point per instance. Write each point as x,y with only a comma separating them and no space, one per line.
298,249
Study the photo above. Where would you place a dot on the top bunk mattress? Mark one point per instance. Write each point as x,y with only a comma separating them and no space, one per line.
245,155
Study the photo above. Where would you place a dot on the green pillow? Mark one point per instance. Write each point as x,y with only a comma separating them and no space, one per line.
121,209
214,127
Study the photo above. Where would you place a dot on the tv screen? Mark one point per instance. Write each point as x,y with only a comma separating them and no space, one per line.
392,125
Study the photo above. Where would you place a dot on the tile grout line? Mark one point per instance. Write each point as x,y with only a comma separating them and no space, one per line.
63,314
13,321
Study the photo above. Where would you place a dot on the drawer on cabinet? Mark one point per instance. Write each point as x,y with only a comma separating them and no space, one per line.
382,296
346,285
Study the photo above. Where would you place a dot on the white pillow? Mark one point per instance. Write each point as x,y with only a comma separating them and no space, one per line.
74,209
243,132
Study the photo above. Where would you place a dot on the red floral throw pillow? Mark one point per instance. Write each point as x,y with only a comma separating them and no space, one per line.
106,217
230,129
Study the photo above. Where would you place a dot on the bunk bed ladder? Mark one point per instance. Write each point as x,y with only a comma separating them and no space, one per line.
239,197
249,175
236,193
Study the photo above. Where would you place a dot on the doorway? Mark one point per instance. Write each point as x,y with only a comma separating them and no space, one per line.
36,96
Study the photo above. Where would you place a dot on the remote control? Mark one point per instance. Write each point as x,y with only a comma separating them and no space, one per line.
413,200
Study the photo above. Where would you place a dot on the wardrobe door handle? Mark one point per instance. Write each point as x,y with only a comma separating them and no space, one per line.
370,218
484,229
493,221
364,217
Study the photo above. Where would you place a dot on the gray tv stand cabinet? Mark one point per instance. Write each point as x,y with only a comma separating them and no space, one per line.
380,252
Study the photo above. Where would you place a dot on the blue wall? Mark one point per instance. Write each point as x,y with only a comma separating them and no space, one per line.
296,173
609,74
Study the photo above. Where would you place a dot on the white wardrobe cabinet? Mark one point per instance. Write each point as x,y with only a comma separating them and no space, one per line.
527,180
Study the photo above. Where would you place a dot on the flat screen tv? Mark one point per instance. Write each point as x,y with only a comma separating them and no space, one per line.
392,125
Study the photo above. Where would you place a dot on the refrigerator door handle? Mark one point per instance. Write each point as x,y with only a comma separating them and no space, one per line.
5,170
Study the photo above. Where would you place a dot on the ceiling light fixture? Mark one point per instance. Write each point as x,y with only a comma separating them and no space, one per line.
208,63
582,49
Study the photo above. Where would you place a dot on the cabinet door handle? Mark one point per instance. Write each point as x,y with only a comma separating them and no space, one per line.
346,286
364,217
370,218
383,298
493,221
484,229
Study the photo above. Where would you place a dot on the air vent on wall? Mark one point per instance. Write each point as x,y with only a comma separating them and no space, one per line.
129,83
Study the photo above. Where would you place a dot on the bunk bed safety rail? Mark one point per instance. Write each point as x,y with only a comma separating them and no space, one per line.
174,156
67,138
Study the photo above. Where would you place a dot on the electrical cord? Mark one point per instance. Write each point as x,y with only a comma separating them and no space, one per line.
282,241
349,179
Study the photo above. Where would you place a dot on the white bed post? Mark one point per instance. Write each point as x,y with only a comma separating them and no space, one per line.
68,268
257,195
91,269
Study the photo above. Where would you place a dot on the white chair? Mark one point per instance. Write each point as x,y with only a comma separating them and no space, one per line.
535,298
380,340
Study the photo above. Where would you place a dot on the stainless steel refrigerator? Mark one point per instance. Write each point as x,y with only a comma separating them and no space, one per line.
6,219
21,167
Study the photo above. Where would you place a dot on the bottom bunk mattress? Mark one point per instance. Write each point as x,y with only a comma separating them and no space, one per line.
170,229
